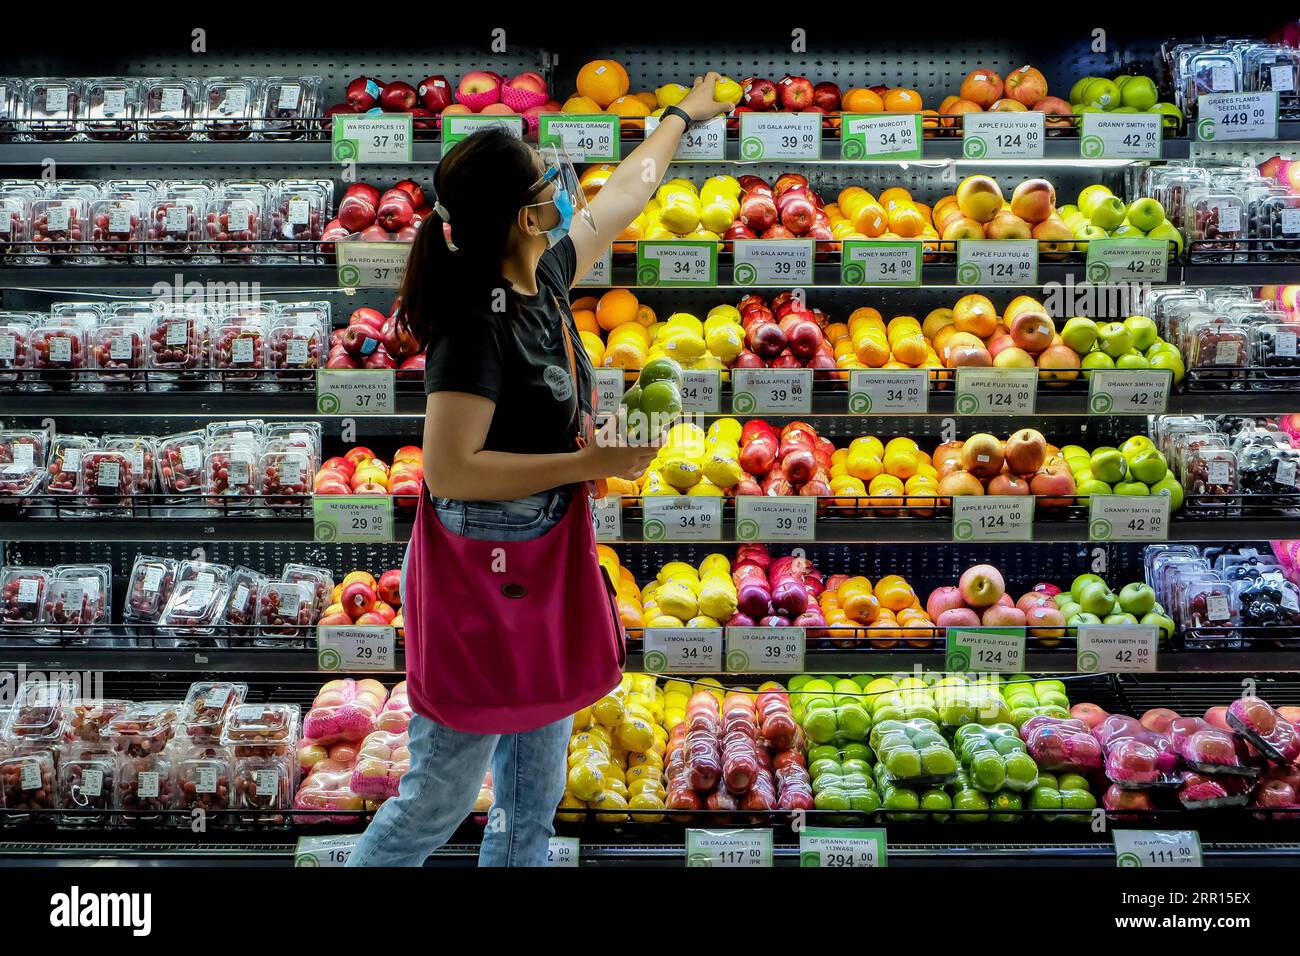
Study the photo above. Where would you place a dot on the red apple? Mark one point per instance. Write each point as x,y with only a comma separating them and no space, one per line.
759,94
796,93
363,93
398,97
434,92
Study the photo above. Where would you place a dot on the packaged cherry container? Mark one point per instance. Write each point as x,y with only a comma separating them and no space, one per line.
167,108
141,452
58,226
287,106
11,107
239,345
106,483
110,108
20,481
72,608
1272,734
240,612
15,222
148,588
52,108
39,717
87,785
300,210
228,103
206,705
1215,223
96,583
285,609
22,594
180,463
90,719
64,467
203,777
262,783
146,787
257,730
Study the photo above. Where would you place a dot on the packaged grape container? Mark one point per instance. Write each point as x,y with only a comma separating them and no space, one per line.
1271,733
167,108
15,336
239,345
79,601
298,342
382,760
262,783
141,452
344,709
178,343
180,463
23,447
1058,743
193,611
321,579
119,351
146,787
148,588
87,784
241,607
22,594
175,226
58,228
64,469
90,718
203,779
230,471
286,474
106,483
262,729
228,103
300,210
144,728
236,223
116,227
206,704
52,108
28,782
58,357
39,717
15,222
110,108
287,106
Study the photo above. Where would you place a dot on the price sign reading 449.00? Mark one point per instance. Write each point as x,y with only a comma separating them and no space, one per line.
1128,391
681,262
363,518
880,136
729,848
681,518
1128,517
997,262
1224,116
766,261
841,847
356,648
770,136
355,391
878,392
586,138
985,649
1127,260
775,391
764,650
1118,648
993,518
1157,848
996,391
682,650
880,262
763,518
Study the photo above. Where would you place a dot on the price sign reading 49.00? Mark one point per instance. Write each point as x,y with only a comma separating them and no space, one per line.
985,649
729,848
1157,848
586,138
996,391
776,391
681,262
841,847
1128,517
997,262
682,650
1224,116
770,136
765,650
763,518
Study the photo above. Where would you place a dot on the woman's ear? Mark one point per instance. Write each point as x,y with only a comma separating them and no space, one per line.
527,222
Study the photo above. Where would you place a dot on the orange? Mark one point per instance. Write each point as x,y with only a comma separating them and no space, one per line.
629,106
884,633
645,315
585,319
859,99
894,593
616,307
836,331
930,120
861,607
905,220
602,82
586,302
894,196
649,99
903,101
593,177
580,104
625,354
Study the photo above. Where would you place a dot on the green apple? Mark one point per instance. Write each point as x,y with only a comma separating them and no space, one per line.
832,799
1134,445
824,767
1076,91
853,721
1097,359
1073,781
864,800
1173,115
1079,333
1168,232
1101,93
1148,465
1125,109
823,752
851,765
1120,618
1143,330
1082,618
1132,360
1171,361
1092,486
1090,194
1146,213
857,751
988,772
846,691
1107,464
1106,212
1068,210
1162,621
1045,798
1126,230
1140,93
820,725
1021,771
1077,798
970,800
1169,486
1137,598
1096,598
1082,581
1132,489
1069,608
1005,800
1114,338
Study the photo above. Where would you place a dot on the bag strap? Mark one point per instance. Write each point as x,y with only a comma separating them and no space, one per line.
598,487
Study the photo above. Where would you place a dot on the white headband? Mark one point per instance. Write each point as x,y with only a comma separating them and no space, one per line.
441,210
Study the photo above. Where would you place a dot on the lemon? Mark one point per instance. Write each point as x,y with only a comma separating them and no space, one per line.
635,734
723,313
643,763
717,216
686,321
727,90
570,802
678,601
586,782
683,343
582,719
717,600
646,783
725,340
687,436
676,569
724,187
670,94
586,741
664,620
608,712
646,801
715,561
610,802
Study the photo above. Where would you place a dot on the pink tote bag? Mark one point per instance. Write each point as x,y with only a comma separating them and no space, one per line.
508,636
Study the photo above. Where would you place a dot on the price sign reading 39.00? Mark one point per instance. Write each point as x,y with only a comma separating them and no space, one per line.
763,518
766,261
769,136
682,650
765,650
776,391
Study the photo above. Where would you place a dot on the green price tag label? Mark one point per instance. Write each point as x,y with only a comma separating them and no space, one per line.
325,851
993,518
1157,848
459,125
383,138
880,392
729,848
361,518
681,518
882,262
842,848
587,138
677,263
887,136
985,649
773,261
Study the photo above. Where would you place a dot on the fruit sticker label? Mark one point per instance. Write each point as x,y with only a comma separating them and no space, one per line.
774,261
706,140
1128,517
372,139
985,649
681,518
355,391
1127,260
835,847
327,851
765,650
458,126
871,136
362,518
769,136
729,848
601,272
701,391
996,391
1127,136
1129,391
881,262
562,851
1226,116
682,650
356,648
681,262
997,262
771,391
760,518
607,517
1157,848
371,265
587,138
1117,648
993,518
876,392
1002,136
609,389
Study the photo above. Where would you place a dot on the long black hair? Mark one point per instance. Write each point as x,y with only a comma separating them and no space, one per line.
482,182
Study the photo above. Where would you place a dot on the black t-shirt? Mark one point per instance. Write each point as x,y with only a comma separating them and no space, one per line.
517,358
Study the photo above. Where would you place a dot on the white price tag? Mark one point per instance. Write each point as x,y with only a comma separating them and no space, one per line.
771,391
601,272
701,391
205,780
1127,260
92,783
327,851
28,590
881,262
58,217
1237,116
986,262
586,138
1128,517
1117,649
56,99
681,518
121,347
173,100
607,515
985,649
776,518
356,648
355,391
176,220
681,262
1002,135
178,333
295,351
29,777
1127,136
242,350
1157,848
1132,392
682,650
769,136
562,851
114,102
993,518
879,392
833,847
774,261
609,389
765,650
119,220
147,784
996,391
60,349
706,140
729,848
371,265
1282,78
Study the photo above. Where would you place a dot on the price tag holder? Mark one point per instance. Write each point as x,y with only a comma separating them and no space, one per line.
356,648
371,265
562,851
771,391
770,136
868,136
360,518
763,518
347,391
386,138
881,262
1128,391
682,650
677,263
587,138
834,847
681,518
1227,116
459,125
1157,848
1128,517
774,261
701,391
1002,135
877,392
997,391
1118,648
325,851
729,848
993,518
609,389
607,516
765,650
997,262
601,272
701,141
981,649
1121,136
1127,260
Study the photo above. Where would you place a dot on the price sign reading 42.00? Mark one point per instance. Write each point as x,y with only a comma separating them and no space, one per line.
1117,649
1128,391
1128,517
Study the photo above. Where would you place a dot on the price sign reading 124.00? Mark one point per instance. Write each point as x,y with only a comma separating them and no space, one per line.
982,649
997,262
1002,135
996,391
993,518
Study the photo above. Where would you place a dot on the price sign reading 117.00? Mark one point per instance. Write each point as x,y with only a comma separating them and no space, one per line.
729,848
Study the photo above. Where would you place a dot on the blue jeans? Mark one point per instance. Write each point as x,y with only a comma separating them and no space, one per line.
529,769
